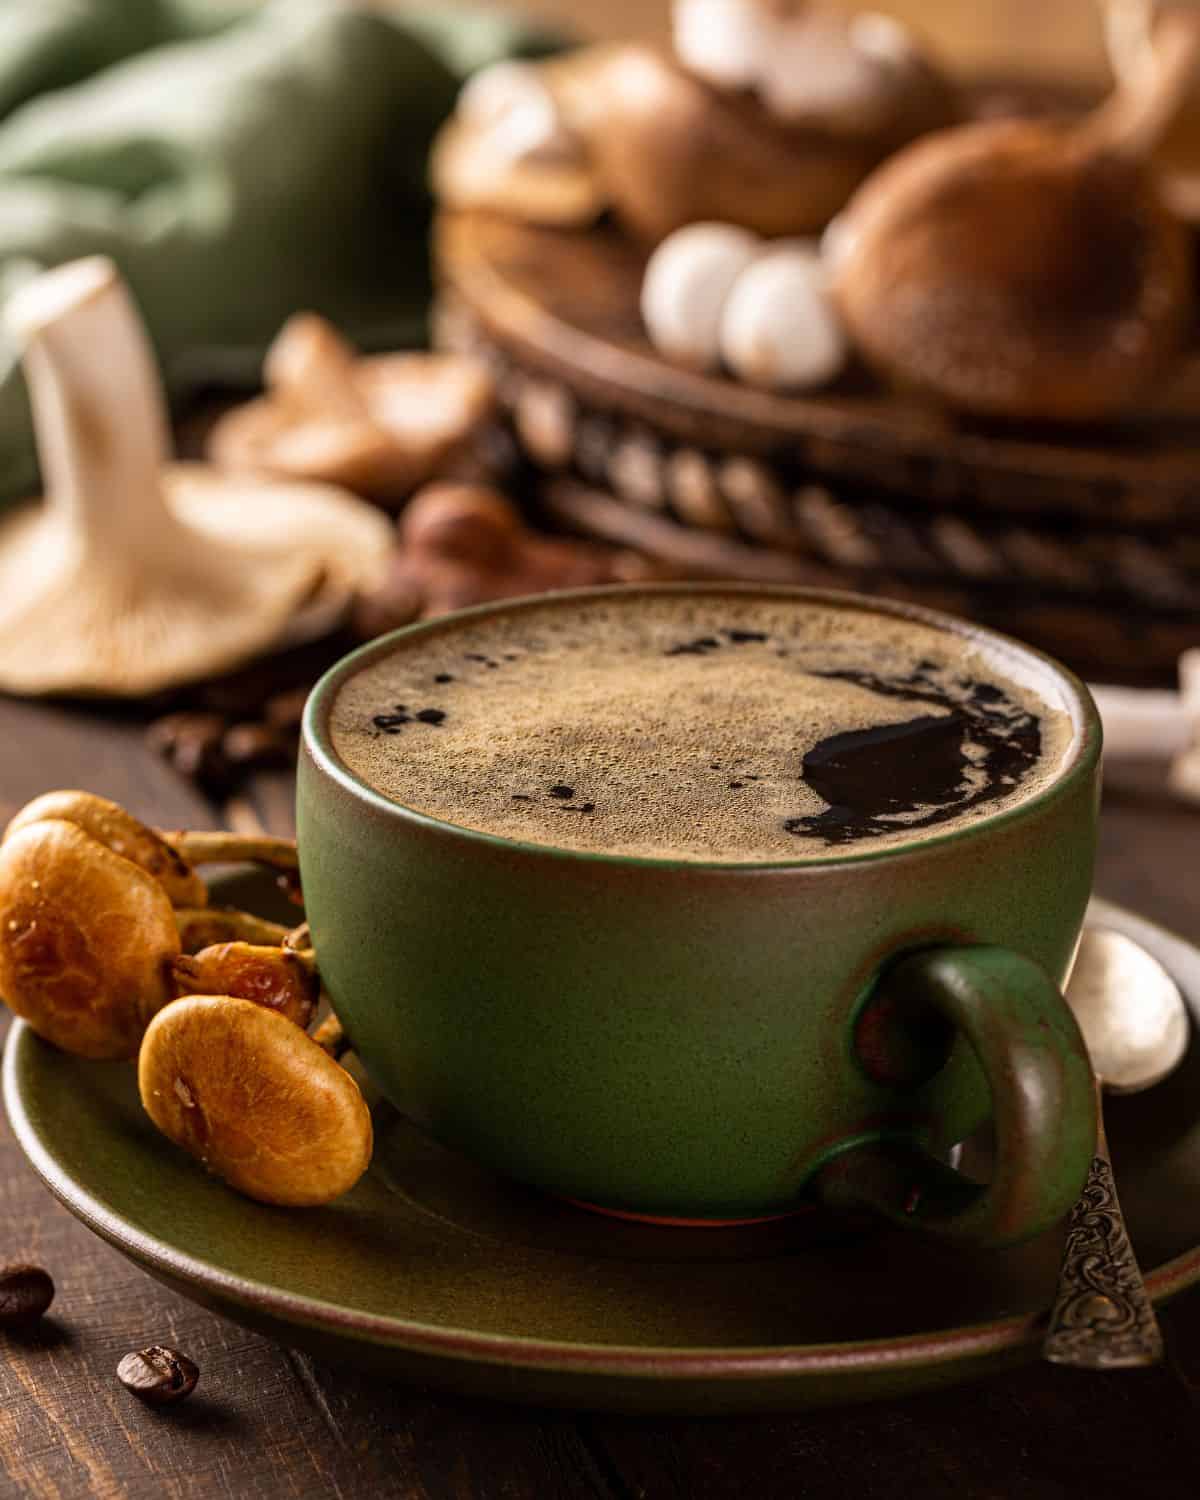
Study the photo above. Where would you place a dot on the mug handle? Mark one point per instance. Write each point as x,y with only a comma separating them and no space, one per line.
1043,1098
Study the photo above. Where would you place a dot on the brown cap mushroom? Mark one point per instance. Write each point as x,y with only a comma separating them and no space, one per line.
86,938
378,426
110,824
508,148
1026,269
255,1099
133,576
672,150
463,544
277,978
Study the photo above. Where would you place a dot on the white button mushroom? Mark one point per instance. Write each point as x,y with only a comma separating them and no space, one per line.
779,328
723,41
687,281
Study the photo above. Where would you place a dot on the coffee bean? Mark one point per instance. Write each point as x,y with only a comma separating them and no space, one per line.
158,1376
25,1294
257,746
285,710
191,742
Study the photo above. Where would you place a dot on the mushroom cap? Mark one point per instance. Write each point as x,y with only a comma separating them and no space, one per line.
277,978
86,937
137,576
779,328
252,556
673,150
416,410
508,148
120,831
470,523
255,1099
685,286
1002,271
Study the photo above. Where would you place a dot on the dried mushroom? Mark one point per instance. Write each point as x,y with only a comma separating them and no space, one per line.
86,938
1027,270
110,824
379,426
135,576
255,1099
277,978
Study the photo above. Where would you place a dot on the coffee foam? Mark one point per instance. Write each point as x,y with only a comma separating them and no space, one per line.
660,726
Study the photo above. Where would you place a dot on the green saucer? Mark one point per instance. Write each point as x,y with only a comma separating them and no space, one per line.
434,1270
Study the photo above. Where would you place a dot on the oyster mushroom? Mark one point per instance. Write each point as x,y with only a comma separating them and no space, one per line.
378,426
255,1099
508,148
135,576
110,824
1027,269
86,939
277,978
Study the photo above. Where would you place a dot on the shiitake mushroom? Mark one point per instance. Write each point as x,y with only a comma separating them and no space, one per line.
1027,270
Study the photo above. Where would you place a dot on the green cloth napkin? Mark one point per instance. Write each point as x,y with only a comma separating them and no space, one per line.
237,161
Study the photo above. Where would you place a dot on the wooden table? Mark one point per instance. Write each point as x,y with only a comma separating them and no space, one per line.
269,1423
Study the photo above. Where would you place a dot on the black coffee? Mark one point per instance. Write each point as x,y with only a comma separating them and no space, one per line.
700,726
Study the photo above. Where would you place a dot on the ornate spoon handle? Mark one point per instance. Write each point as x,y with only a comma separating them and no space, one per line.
1103,1318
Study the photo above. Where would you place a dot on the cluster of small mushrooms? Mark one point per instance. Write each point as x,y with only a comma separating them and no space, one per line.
109,949
1017,269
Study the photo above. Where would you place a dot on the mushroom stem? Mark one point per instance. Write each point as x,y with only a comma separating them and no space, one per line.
299,939
219,846
1146,105
331,1037
201,927
98,413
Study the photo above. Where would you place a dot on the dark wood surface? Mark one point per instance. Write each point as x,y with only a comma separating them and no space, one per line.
268,1422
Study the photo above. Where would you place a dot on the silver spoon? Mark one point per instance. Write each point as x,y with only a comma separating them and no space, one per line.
1135,1024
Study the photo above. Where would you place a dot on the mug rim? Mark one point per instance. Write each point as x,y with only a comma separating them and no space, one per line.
1081,759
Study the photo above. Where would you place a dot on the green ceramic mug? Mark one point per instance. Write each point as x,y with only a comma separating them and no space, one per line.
722,1042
